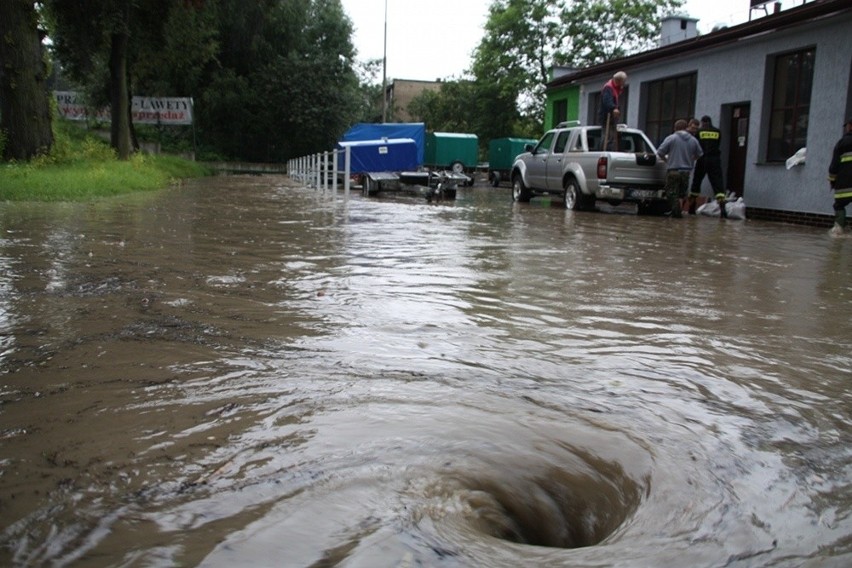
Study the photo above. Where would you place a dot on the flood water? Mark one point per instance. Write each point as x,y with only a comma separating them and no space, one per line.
244,372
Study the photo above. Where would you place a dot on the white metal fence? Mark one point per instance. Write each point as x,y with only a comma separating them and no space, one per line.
321,170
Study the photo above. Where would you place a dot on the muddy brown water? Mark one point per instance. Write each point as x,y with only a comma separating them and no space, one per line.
243,371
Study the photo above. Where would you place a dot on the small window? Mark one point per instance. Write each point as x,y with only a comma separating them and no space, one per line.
560,111
791,103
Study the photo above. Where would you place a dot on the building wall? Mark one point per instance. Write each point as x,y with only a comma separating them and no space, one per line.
570,97
742,72
400,94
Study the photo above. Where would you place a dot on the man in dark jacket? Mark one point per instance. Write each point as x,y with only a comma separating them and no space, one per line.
710,164
610,113
840,177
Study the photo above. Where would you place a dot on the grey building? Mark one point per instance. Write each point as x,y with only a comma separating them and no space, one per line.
773,85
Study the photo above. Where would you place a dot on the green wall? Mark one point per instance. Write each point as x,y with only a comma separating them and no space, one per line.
569,97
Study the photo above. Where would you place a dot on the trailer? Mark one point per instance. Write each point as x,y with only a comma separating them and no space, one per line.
501,155
366,131
391,165
453,151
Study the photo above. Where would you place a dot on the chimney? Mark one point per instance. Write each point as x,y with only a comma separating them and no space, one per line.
677,28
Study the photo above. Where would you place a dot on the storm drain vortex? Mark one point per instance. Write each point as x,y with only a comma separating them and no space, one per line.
555,508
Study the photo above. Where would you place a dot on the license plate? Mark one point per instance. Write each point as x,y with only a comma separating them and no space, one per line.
643,193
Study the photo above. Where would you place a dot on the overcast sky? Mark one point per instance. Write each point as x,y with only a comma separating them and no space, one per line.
434,39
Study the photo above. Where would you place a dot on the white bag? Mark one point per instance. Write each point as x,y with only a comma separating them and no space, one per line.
736,209
711,209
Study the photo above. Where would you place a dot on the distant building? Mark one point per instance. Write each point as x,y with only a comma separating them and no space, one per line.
773,85
401,92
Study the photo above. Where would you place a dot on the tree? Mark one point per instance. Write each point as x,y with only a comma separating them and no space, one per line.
515,54
96,42
25,120
524,39
602,30
286,85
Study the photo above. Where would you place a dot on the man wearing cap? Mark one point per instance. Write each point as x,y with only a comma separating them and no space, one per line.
710,164
840,177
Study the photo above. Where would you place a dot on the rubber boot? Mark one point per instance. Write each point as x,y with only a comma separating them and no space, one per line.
839,222
677,207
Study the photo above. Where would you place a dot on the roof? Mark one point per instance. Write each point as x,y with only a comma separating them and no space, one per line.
785,19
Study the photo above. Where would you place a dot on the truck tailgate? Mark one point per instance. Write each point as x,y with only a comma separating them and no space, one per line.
635,169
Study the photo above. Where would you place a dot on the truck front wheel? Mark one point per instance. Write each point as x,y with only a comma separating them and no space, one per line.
520,192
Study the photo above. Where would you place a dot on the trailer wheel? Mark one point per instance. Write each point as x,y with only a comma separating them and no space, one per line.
368,186
457,167
495,179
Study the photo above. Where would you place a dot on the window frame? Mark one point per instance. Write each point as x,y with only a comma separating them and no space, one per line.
788,120
659,121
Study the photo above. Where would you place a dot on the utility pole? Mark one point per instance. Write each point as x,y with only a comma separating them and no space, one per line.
385,70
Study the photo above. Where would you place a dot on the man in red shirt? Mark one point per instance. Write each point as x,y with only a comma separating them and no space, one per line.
610,113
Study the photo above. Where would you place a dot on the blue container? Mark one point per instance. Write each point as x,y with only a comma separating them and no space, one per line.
391,130
392,155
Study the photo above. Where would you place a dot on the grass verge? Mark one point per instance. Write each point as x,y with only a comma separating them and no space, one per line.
83,168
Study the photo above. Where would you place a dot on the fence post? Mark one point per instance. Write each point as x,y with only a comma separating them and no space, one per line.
347,169
324,171
317,169
334,171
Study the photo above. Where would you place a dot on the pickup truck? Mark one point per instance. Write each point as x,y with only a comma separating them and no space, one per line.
570,162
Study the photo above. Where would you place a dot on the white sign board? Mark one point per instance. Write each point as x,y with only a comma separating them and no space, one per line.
145,110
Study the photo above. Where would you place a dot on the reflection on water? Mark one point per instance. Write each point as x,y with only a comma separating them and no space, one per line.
246,372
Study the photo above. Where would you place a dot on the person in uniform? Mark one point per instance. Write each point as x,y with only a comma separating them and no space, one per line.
840,177
710,164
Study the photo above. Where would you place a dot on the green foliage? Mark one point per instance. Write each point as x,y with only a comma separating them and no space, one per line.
82,167
290,90
517,50
271,79
275,79
601,30
524,39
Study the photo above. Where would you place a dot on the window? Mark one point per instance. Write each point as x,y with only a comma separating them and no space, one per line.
668,100
560,112
791,103
543,146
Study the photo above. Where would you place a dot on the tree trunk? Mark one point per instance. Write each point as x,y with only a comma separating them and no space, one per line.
25,117
119,95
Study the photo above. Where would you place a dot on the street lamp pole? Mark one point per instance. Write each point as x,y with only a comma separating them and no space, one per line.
385,70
